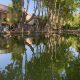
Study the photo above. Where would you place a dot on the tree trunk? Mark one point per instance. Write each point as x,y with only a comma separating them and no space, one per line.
22,18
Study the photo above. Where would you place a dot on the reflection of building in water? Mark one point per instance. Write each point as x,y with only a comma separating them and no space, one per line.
2,51
28,40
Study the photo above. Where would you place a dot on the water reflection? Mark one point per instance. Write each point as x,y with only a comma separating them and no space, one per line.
4,63
52,57
73,51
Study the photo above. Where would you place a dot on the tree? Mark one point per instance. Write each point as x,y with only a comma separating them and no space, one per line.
59,11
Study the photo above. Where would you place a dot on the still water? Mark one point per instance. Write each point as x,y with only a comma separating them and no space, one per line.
40,57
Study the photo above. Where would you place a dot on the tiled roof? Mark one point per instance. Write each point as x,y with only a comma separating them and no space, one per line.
3,7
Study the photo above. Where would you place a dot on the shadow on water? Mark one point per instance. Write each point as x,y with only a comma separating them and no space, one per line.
40,57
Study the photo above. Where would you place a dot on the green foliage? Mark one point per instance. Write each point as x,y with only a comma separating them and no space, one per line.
61,10
17,10
53,61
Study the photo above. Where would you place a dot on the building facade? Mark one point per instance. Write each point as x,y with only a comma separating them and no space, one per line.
4,13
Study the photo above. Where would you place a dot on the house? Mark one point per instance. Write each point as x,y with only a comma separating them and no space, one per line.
5,13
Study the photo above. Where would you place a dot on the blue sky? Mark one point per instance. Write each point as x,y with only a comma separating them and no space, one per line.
31,6
6,2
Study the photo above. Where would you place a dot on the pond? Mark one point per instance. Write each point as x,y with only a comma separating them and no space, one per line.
40,57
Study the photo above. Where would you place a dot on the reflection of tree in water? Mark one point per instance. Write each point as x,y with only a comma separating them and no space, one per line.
3,43
14,70
51,63
44,67
16,46
73,71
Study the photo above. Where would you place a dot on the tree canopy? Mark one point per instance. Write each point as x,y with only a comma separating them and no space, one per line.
58,12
